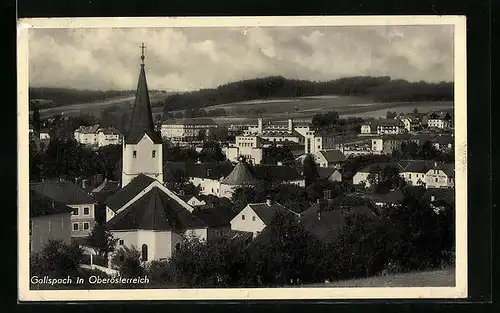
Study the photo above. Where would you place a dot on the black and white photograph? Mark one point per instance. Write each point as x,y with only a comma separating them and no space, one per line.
240,158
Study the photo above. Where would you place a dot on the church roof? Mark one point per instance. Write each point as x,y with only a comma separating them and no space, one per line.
241,175
156,210
132,189
142,118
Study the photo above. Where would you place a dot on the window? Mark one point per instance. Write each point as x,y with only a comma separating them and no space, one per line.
134,154
436,180
120,242
153,154
86,211
75,226
86,226
75,211
144,252
409,176
253,218
242,217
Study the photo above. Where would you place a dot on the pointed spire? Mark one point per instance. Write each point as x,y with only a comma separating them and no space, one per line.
142,118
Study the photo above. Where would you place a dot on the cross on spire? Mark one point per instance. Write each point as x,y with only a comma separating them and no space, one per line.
143,47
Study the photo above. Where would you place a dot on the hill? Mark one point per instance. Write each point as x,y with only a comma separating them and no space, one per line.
378,89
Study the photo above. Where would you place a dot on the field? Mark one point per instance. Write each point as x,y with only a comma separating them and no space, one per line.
439,278
300,109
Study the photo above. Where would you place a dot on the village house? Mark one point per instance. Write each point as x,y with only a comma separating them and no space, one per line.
71,195
250,147
440,176
49,220
187,128
440,119
361,177
256,216
383,126
318,141
330,158
329,173
144,213
97,136
414,171
412,121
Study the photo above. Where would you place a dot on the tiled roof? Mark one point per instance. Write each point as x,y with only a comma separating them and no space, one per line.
276,173
325,172
190,121
386,122
109,131
240,175
89,129
41,205
156,211
124,195
213,217
333,156
416,166
266,211
210,170
63,191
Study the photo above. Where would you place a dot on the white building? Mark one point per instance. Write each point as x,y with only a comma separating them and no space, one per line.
249,147
256,216
330,158
97,136
383,126
71,195
441,120
318,141
440,176
144,213
188,128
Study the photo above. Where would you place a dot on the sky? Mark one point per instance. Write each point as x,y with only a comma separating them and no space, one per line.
183,59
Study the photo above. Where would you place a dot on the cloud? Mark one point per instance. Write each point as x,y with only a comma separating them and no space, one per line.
194,58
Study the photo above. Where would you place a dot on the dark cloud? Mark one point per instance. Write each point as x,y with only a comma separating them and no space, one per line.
194,58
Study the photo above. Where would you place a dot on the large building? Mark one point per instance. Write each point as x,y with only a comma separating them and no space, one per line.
382,127
187,128
144,213
97,136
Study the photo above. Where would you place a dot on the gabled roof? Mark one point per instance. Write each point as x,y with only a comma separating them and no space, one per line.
266,211
41,205
333,156
447,168
213,217
132,189
325,172
282,173
156,211
416,166
210,170
240,175
63,191
142,118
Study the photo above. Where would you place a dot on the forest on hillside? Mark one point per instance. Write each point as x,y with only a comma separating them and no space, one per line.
66,96
381,89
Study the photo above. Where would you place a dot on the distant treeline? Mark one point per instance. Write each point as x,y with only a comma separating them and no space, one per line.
65,96
381,89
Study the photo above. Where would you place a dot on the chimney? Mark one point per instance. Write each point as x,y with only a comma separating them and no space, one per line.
319,215
290,125
268,202
259,125
208,172
435,164
433,198
317,201
84,183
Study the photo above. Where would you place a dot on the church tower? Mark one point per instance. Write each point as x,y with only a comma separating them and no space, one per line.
142,145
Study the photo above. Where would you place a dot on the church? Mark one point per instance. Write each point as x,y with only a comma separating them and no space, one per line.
144,213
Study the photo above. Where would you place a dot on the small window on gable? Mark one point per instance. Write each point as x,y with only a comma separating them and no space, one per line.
134,154
120,242
242,217
153,154
253,218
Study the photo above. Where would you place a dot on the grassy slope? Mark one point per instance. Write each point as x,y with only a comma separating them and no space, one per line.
438,278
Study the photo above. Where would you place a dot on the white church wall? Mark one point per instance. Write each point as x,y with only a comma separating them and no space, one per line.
138,158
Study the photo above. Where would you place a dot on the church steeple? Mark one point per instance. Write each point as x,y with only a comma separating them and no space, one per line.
142,118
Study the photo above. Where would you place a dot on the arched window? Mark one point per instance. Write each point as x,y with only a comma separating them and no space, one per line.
144,252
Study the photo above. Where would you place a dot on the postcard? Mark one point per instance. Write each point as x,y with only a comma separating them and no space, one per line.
238,158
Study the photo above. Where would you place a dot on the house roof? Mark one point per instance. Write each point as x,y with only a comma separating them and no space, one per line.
266,211
440,194
416,166
109,131
373,168
142,118
88,129
325,172
240,175
107,186
212,217
210,170
326,226
124,195
41,205
190,121
447,168
386,122
63,191
282,173
333,156
156,211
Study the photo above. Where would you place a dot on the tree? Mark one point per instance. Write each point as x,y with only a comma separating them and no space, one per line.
56,260
391,115
128,260
274,154
415,110
310,169
325,121
202,135
36,120
101,240
211,152
386,178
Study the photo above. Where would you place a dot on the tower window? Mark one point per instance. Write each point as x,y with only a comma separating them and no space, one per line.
134,154
153,154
